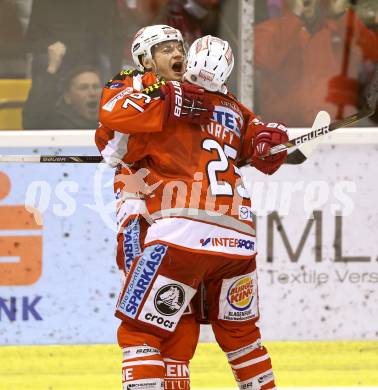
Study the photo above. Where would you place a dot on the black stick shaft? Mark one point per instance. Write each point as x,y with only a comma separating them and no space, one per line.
349,120
50,159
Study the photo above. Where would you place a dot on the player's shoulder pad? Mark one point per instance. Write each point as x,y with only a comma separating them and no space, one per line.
232,97
116,81
153,90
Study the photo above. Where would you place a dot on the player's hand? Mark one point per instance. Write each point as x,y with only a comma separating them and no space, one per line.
266,136
342,91
185,101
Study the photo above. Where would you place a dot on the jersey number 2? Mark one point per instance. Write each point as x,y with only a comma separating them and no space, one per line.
221,165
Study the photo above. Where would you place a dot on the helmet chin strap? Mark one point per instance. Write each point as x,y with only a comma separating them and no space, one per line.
152,68
155,69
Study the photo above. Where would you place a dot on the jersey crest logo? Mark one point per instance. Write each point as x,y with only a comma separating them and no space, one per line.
229,119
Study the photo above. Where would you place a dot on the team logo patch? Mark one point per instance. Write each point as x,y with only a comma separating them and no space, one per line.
245,213
169,299
204,74
131,245
141,279
228,242
115,85
169,31
166,303
202,44
112,102
229,118
238,298
240,294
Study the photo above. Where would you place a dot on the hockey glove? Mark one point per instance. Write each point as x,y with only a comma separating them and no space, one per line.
266,136
185,101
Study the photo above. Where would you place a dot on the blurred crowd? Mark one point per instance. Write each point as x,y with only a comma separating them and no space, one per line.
309,54
313,55
70,48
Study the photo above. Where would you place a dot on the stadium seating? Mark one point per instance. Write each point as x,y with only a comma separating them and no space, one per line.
13,93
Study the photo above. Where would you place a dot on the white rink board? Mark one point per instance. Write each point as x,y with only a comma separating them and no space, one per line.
318,297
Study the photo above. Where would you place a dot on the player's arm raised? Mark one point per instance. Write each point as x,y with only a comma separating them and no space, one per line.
131,111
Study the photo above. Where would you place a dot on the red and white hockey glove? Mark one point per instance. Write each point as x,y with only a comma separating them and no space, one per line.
266,136
186,101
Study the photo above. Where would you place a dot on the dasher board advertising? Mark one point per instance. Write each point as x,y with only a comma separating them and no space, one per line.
316,238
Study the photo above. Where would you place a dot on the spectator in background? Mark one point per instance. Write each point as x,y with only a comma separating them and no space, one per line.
134,14
300,55
367,10
80,26
24,11
12,64
75,107
73,54
275,8
194,18
268,9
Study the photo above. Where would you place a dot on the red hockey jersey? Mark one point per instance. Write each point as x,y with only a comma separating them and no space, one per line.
191,181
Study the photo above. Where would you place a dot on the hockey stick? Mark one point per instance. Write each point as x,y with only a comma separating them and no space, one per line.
304,151
296,157
297,141
49,159
367,111
349,120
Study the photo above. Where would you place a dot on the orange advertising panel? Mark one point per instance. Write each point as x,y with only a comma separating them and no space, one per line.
26,250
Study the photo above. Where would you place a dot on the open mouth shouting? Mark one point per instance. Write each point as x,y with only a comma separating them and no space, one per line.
92,105
178,67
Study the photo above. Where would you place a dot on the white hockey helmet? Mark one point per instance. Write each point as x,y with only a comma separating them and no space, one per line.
150,36
209,63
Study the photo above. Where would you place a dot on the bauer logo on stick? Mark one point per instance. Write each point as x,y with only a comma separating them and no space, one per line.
312,135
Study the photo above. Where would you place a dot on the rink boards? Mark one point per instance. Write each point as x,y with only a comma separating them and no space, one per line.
317,230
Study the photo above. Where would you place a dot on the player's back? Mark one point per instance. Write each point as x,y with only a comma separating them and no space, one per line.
201,202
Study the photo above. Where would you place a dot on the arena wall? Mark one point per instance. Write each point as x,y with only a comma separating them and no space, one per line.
317,242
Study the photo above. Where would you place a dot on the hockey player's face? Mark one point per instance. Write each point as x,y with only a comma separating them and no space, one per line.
84,94
169,59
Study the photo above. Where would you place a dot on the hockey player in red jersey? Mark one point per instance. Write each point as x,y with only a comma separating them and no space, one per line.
203,227
158,53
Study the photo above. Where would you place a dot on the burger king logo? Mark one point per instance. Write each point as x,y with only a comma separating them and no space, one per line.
240,294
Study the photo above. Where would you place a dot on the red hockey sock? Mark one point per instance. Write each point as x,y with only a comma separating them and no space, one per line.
252,367
177,375
143,367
